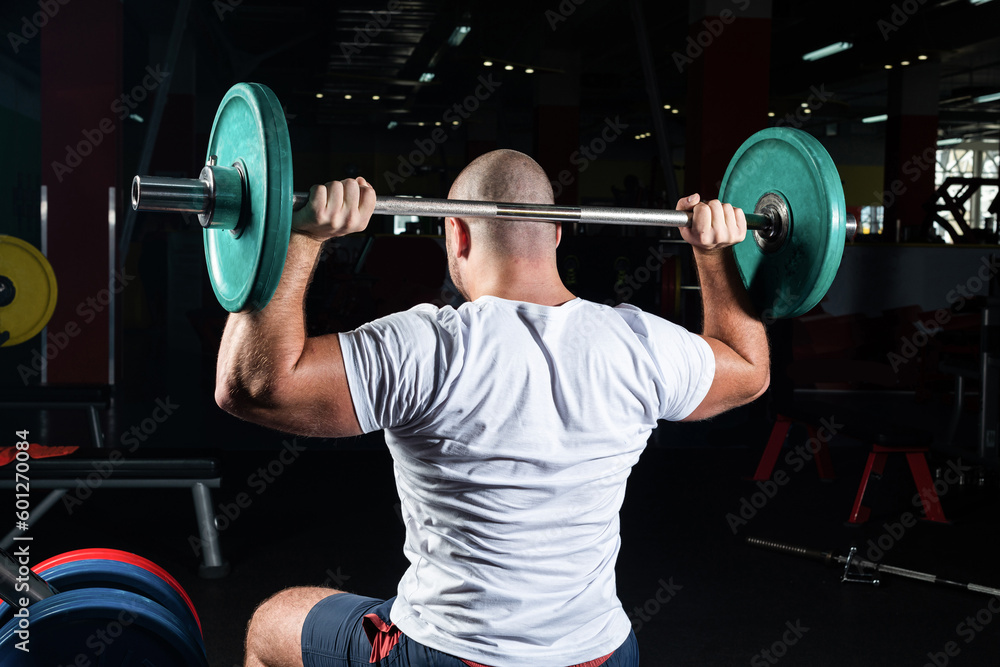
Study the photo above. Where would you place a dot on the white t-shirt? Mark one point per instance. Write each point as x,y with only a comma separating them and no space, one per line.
513,428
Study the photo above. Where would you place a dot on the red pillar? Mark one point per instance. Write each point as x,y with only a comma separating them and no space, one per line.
557,124
910,146
727,60
81,80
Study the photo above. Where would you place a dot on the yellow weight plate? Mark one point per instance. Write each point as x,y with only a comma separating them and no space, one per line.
27,290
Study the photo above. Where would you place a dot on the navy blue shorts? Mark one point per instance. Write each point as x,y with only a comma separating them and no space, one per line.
346,630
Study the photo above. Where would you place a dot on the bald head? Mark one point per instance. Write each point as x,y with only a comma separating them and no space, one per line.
507,176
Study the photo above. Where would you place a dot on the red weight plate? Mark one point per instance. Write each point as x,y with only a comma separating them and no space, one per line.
123,557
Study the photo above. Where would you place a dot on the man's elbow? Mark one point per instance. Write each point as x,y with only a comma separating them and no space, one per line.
243,400
763,383
225,399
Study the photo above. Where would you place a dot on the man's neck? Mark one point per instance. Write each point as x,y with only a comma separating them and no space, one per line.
518,281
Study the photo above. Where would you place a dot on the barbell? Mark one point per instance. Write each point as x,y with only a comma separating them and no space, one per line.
783,178
96,606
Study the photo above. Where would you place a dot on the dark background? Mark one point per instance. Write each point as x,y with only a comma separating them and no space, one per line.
723,67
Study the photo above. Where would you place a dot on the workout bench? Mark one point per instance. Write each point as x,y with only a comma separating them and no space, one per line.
115,469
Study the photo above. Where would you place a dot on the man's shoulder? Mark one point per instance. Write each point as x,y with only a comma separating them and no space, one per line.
419,321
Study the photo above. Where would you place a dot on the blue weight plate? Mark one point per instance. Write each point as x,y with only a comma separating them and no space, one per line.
124,576
100,626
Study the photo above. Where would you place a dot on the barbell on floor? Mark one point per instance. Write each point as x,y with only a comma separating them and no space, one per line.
244,200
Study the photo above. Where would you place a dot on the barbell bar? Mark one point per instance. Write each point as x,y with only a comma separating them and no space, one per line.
198,196
782,178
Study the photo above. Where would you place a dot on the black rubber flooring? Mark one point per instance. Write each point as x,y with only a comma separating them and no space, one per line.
329,517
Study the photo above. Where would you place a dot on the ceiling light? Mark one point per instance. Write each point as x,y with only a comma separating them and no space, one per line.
508,67
420,124
921,57
454,122
319,96
888,66
529,70
347,97
392,125
983,99
426,77
458,34
807,110
376,98
674,111
666,106
950,142
905,63
804,105
881,118
488,63
978,2
836,47
770,114
437,123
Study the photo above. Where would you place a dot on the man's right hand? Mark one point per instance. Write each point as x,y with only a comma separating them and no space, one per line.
335,209
714,225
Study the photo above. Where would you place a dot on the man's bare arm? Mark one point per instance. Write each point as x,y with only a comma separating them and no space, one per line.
269,372
732,328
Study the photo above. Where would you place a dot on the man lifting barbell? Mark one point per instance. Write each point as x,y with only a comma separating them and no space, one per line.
513,422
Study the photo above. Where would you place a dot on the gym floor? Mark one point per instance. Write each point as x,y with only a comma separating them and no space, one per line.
329,516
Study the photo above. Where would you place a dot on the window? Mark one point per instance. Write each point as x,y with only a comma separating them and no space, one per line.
969,160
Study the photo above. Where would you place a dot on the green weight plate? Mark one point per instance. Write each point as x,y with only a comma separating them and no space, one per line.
792,164
250,131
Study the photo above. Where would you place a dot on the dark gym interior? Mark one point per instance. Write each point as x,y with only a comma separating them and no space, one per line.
879,430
